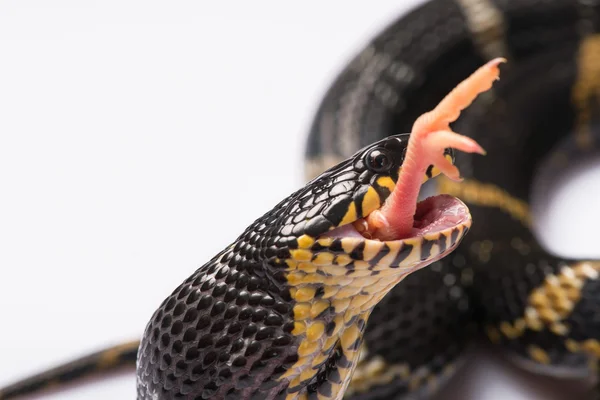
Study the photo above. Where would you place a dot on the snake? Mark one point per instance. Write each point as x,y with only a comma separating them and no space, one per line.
291,311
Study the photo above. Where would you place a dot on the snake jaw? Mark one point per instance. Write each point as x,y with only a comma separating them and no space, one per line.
440,223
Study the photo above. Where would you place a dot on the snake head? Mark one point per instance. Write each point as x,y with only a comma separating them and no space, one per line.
370,200
328,218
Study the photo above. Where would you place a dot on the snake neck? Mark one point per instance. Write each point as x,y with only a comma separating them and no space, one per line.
332,304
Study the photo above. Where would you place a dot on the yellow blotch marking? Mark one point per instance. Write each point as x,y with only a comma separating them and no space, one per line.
538,354
313,278
360,273
307,267
348,317
347,291
301,311
339,323
386,182
559,329
350,215
532,319
301,254
553,301
548,315
572,346
304,293
333,270
348,244
319,359
307,348
359,300
330,291
307,374
324,258
349,337
340,305
586,87
299,328
338,280
318,307
305,241
538,298
509,331
361,265
342,260
366,281
295,278
432,236
386,261
325,241
370,303
384,271
591,346
375,371
414,256
293,383
315,331
371,201
521,324
329,343
380,286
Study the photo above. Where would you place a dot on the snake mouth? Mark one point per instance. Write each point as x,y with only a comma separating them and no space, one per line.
440,223
438,214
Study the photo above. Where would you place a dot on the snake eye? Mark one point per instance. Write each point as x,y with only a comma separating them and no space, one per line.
378,161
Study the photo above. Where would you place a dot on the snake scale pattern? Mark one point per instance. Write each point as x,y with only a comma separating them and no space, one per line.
281,312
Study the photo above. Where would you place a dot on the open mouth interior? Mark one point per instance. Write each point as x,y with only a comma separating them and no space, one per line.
433,214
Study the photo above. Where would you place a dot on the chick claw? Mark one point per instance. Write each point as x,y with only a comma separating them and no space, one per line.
430,136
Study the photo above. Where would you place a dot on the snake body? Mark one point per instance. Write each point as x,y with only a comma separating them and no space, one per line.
248,323
501,283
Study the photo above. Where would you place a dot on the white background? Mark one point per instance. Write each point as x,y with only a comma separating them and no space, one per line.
138,138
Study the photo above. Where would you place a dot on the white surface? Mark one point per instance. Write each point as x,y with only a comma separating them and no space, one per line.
120,125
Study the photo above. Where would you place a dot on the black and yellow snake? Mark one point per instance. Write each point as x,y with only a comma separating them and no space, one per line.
280,313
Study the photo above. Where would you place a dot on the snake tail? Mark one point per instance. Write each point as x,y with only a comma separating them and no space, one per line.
97,364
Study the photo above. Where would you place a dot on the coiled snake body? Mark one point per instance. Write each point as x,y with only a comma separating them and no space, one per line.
249,322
